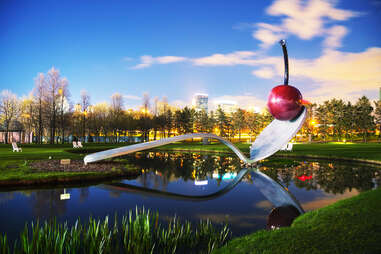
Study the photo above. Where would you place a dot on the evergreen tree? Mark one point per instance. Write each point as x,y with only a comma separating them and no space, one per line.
364,121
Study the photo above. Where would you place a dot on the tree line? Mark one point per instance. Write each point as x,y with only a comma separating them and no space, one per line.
49,114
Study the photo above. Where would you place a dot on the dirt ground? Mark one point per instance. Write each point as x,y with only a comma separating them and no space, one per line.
76,166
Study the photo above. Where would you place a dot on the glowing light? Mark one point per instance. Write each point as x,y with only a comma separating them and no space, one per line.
304,178
203,182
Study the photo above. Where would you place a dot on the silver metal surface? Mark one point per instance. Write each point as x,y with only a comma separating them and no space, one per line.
269,141
275,136
274,191
148,145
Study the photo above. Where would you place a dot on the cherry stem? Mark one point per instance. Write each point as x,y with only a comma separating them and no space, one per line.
285,56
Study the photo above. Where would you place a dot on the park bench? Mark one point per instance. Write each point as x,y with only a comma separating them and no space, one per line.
75,145
15,147
287,147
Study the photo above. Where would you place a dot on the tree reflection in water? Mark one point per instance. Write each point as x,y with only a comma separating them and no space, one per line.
332,177
47,203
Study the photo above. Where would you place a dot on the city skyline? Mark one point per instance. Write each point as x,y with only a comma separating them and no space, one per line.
171,49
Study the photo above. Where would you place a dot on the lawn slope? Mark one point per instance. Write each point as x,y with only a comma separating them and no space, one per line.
348,226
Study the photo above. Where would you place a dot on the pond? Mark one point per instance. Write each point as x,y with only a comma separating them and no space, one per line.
168,180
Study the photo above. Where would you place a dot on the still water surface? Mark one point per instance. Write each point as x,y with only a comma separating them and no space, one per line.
315,184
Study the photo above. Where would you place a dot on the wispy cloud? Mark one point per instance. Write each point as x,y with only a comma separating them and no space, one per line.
304,19
334,73
265,72
148,60
334,36
234,58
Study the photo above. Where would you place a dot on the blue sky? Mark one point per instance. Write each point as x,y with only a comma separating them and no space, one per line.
227,49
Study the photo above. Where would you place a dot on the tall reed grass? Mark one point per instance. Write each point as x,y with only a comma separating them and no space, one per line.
138,231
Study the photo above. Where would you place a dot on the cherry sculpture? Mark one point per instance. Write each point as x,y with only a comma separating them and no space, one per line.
285,101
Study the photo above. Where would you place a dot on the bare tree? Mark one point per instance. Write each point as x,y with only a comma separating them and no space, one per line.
117,104
52,82
99,123
85,103
39,94
27,106
9,109
64,95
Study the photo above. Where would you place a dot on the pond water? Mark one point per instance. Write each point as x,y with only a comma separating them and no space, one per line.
245,208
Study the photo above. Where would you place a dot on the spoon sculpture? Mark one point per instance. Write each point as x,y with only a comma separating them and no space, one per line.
285,105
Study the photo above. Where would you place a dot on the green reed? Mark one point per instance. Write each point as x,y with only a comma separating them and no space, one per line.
138,232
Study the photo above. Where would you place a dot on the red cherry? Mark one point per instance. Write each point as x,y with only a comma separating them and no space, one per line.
285,102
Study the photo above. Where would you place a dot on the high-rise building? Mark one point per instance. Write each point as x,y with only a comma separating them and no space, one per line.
200,102
229,107
379,98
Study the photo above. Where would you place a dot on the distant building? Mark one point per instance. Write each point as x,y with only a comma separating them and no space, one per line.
200,102
229,107
379,98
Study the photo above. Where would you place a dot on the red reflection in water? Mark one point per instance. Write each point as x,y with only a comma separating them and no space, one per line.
304,177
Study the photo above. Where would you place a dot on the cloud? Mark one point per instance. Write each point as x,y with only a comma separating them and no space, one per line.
264,204
334,36
327,200
304,19
148,60
170,59
265,72
268,34
238,220
338,73
234,58
333,74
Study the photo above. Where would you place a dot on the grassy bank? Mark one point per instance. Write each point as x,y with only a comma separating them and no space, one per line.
16,168
348,226
139,232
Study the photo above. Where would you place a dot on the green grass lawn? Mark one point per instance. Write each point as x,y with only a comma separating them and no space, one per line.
15,165
348,226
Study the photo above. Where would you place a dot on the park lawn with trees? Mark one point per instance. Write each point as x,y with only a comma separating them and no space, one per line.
15,166
348,226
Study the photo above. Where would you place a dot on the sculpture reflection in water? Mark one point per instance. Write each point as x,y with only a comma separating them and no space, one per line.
279,196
